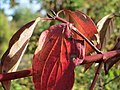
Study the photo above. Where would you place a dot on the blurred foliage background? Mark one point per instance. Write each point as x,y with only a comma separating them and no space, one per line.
15,13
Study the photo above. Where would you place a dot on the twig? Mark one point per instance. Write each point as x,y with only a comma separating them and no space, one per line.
88,41
112,80
15,75
96,75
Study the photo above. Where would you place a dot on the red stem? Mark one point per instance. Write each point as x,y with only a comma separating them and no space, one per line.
105,57
96,75
15,75
88,59
98,57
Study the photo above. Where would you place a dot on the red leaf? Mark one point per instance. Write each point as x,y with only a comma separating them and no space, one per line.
52,67
84,24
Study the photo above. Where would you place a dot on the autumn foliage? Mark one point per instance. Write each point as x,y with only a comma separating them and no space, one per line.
60,49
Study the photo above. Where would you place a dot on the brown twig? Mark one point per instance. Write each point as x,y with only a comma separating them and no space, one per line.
96,75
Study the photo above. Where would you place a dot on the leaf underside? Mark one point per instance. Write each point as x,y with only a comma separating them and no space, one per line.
17,46
105,29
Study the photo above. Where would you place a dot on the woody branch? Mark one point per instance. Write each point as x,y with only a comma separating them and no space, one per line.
88,59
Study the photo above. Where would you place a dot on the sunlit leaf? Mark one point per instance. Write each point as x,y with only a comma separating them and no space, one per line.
105,29
17,46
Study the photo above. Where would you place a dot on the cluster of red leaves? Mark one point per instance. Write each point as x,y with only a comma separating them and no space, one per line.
61,47
59,51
